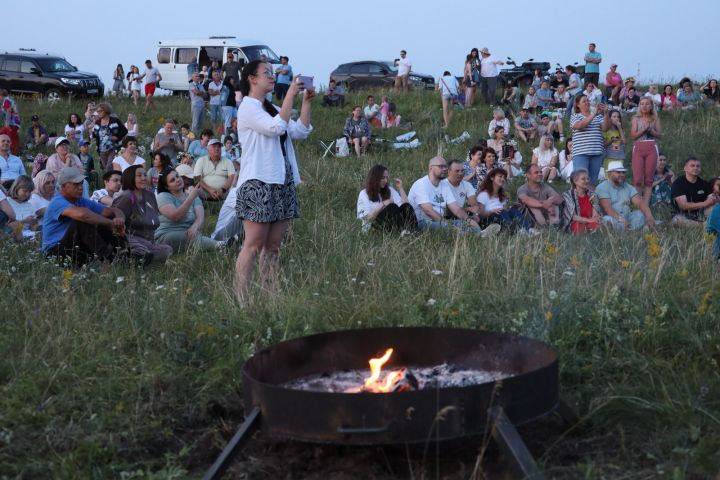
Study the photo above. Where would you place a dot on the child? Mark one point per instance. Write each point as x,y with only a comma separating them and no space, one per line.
186,135
111,179
88,162
231,152
384,108
392,119
614,139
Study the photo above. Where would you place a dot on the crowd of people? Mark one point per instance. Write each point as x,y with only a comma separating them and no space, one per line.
148,209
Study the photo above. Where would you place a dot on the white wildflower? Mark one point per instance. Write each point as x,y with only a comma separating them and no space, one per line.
431,302
119,279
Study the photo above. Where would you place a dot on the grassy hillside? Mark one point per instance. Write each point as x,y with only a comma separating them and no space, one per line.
128,373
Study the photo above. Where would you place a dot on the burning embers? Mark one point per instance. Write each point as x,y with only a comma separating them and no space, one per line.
400,380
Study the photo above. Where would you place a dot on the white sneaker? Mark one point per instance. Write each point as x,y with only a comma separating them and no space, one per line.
532,232
490,230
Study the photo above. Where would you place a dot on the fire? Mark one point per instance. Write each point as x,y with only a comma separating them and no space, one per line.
376,364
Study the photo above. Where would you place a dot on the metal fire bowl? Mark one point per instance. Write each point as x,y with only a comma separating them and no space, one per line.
530,391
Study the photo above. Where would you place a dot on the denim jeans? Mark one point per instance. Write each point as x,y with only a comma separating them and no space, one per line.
198,114
228,114
713,226
215,114
458,225
591,163
636,220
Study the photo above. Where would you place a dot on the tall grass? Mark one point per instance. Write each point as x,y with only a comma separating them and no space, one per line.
118,372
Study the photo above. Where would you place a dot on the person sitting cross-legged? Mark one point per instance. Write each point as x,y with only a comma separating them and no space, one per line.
692,196
213,173
431,199
581,211
79,229
382,207
334,96
525,125
493,204
111,180
540,199
615,197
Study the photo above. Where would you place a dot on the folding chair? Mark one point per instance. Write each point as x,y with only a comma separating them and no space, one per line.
328,148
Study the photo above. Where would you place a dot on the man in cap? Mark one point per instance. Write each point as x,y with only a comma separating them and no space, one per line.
79,229
616,196
525,125
214,173
488,75
36,135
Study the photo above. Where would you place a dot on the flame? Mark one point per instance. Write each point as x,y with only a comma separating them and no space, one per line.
376,369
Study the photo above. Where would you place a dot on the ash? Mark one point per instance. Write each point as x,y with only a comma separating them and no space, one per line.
440,376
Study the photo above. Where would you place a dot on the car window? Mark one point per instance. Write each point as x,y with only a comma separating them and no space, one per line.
345,68
163,55
55,65
26,67
185,55
375,68
254,51
208,54
359,68
11,65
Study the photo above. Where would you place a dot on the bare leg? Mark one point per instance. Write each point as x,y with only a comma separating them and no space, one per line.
647,193
256,235
364,142
356,142
522,135
270,255
552,174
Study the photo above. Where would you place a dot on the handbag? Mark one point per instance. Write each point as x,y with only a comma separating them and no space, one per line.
453,96
342,149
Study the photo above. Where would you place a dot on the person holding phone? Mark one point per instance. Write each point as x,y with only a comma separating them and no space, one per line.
382,207
266,196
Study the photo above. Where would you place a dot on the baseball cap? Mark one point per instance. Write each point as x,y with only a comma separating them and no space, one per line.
214,141
70,175
82,142
616,167
60,140
34,118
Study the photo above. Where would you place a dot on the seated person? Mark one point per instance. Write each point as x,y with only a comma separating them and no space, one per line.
231,151
544,95
431,200
488,161
11,167
79,229
499,120
334,96
8,224
129,155
168,141
565,160
616,196
688,98
531,99
44,192
692,196
550,126
37,135
624,92
105,196
631,101
545,155
594,95
213,173
198,148
357,131
181,215
668,100
142,216
187,136
62,158
540,199
391,118
581,212
712,92
471,166
557,80
228,225
382,207
87,161
25,211
561,97
654,95
511,96
525,125
372,112
662,183
464,191
509,158
160,162
493,204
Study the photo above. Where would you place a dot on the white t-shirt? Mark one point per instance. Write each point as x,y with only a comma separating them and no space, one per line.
134,82
490,203
151,75
36,200
227,211
544,156
22,210
488,68
99,194
215,87
79,129
123,164
365,206
448,86
462,192
423,191
404,66
2,196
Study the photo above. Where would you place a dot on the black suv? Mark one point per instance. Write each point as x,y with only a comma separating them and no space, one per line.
376,74
522,74
47,75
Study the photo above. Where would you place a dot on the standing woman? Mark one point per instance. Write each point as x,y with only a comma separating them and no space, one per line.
468,83
119,80
266,196
135,83
108,132
588,142
644,130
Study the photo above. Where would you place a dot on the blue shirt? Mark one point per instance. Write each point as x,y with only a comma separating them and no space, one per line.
544,93
55,225
592,67
285,78
197,150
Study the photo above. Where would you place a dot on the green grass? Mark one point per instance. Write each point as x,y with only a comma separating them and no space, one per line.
103,378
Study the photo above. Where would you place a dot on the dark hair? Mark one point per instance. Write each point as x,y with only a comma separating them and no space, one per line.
454,160
711,182
108,174
475,149
369,97
185,125
248,70
690,159
446,73
568,140
485,152
162,180
207,132
571,68
127,140
70,122
372,184
487,184
127,179
683,80
576,102
498,128
164,159
482,143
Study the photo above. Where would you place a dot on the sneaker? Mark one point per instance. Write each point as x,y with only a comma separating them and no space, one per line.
532,232
490,230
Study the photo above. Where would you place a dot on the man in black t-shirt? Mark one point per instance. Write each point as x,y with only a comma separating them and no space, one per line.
558,79
691,195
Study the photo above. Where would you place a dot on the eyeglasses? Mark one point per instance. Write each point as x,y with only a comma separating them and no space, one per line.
267,73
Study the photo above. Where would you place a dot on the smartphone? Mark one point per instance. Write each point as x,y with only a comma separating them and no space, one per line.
604,99
307,82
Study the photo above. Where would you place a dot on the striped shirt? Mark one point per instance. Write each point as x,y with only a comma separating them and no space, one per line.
588,140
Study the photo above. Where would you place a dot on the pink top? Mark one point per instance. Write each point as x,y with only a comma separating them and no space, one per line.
613,80
55,165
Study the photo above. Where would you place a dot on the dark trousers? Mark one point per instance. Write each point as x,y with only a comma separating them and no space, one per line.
592,77
511,218
83,242
281,90
393,217
488,85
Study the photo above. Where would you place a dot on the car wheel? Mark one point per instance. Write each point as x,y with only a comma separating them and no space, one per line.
53,95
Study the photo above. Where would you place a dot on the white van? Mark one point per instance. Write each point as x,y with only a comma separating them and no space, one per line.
174,56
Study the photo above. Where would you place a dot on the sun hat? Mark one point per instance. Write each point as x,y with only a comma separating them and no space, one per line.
616,166
60,140
214,141
485,51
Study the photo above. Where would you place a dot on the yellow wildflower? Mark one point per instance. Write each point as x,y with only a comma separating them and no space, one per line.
625,263
548,316
551,249
66,277
683,275
705,303
575,262
527,260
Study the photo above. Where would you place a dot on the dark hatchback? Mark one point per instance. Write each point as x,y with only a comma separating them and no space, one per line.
48,75
376,74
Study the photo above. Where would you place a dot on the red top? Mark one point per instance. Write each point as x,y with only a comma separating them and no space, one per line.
586,208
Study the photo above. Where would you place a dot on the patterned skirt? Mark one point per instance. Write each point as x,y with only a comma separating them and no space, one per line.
262,202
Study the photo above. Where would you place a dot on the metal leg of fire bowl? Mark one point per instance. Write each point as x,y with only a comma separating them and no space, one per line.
512,445
567,413
241,436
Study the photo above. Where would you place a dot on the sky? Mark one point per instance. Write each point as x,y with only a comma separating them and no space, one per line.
645,39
